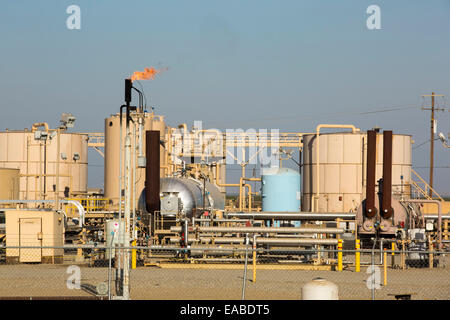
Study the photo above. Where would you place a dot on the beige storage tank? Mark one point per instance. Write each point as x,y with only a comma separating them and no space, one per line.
34,228
342,169
112,154
34,153
9,184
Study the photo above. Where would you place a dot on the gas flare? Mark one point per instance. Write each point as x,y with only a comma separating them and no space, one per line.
147,74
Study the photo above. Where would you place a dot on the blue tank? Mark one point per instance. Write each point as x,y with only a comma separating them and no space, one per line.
280,190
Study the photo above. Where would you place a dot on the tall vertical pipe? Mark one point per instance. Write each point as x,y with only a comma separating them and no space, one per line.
152,171
370,209
386,206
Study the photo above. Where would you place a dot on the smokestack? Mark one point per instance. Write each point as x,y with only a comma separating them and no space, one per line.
370,209
128,86
386,206
152,200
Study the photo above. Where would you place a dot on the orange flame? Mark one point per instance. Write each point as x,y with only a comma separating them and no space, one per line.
147,74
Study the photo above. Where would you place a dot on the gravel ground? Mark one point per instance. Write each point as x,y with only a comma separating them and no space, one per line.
217,284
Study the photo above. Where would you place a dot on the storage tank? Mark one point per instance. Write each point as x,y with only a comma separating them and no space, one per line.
9,184
35,154
342,169
280,190
320,289
112,151
191,194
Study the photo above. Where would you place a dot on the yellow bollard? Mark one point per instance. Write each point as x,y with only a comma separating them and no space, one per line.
385,267
133,255
357,256
340,255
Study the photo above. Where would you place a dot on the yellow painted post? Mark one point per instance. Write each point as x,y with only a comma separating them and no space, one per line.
340,255
133,255
385,267
358,256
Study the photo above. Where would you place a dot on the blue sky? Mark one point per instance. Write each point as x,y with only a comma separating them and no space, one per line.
232,64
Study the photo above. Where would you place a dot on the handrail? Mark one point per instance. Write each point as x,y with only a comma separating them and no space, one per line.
427,186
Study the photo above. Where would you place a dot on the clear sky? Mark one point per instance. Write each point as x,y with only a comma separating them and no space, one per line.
288,65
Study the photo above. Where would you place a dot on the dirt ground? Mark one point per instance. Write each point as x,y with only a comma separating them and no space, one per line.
41,280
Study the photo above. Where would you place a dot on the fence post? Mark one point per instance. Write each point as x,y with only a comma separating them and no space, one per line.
393,255
403,255
245,267
358,256
254,258
385,267
340,255
430,249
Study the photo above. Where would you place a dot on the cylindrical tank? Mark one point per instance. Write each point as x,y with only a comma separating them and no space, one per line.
280,190
342,169
36,158
191,194
320,289
112,151
9,184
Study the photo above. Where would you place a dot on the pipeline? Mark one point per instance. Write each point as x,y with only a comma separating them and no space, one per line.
261,230
291,215
273,241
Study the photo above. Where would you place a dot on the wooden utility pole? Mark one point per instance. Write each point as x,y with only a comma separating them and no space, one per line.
432,133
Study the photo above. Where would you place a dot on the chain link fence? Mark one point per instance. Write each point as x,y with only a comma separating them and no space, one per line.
163,273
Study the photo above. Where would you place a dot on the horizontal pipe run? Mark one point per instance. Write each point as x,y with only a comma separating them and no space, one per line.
291,216
261,229
274,241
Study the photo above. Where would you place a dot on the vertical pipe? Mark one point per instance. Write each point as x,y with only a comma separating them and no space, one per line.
58,147
386,207
152,172
370,209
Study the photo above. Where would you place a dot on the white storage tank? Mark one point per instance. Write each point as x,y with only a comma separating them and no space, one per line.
342,169
320,289
35,154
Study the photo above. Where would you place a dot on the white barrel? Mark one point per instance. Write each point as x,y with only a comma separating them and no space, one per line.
320,289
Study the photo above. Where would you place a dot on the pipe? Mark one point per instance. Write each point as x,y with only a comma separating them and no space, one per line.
77,204
386,205
152,171
261,229
290,216
273,241
39,124
370,209
439,217
320,126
